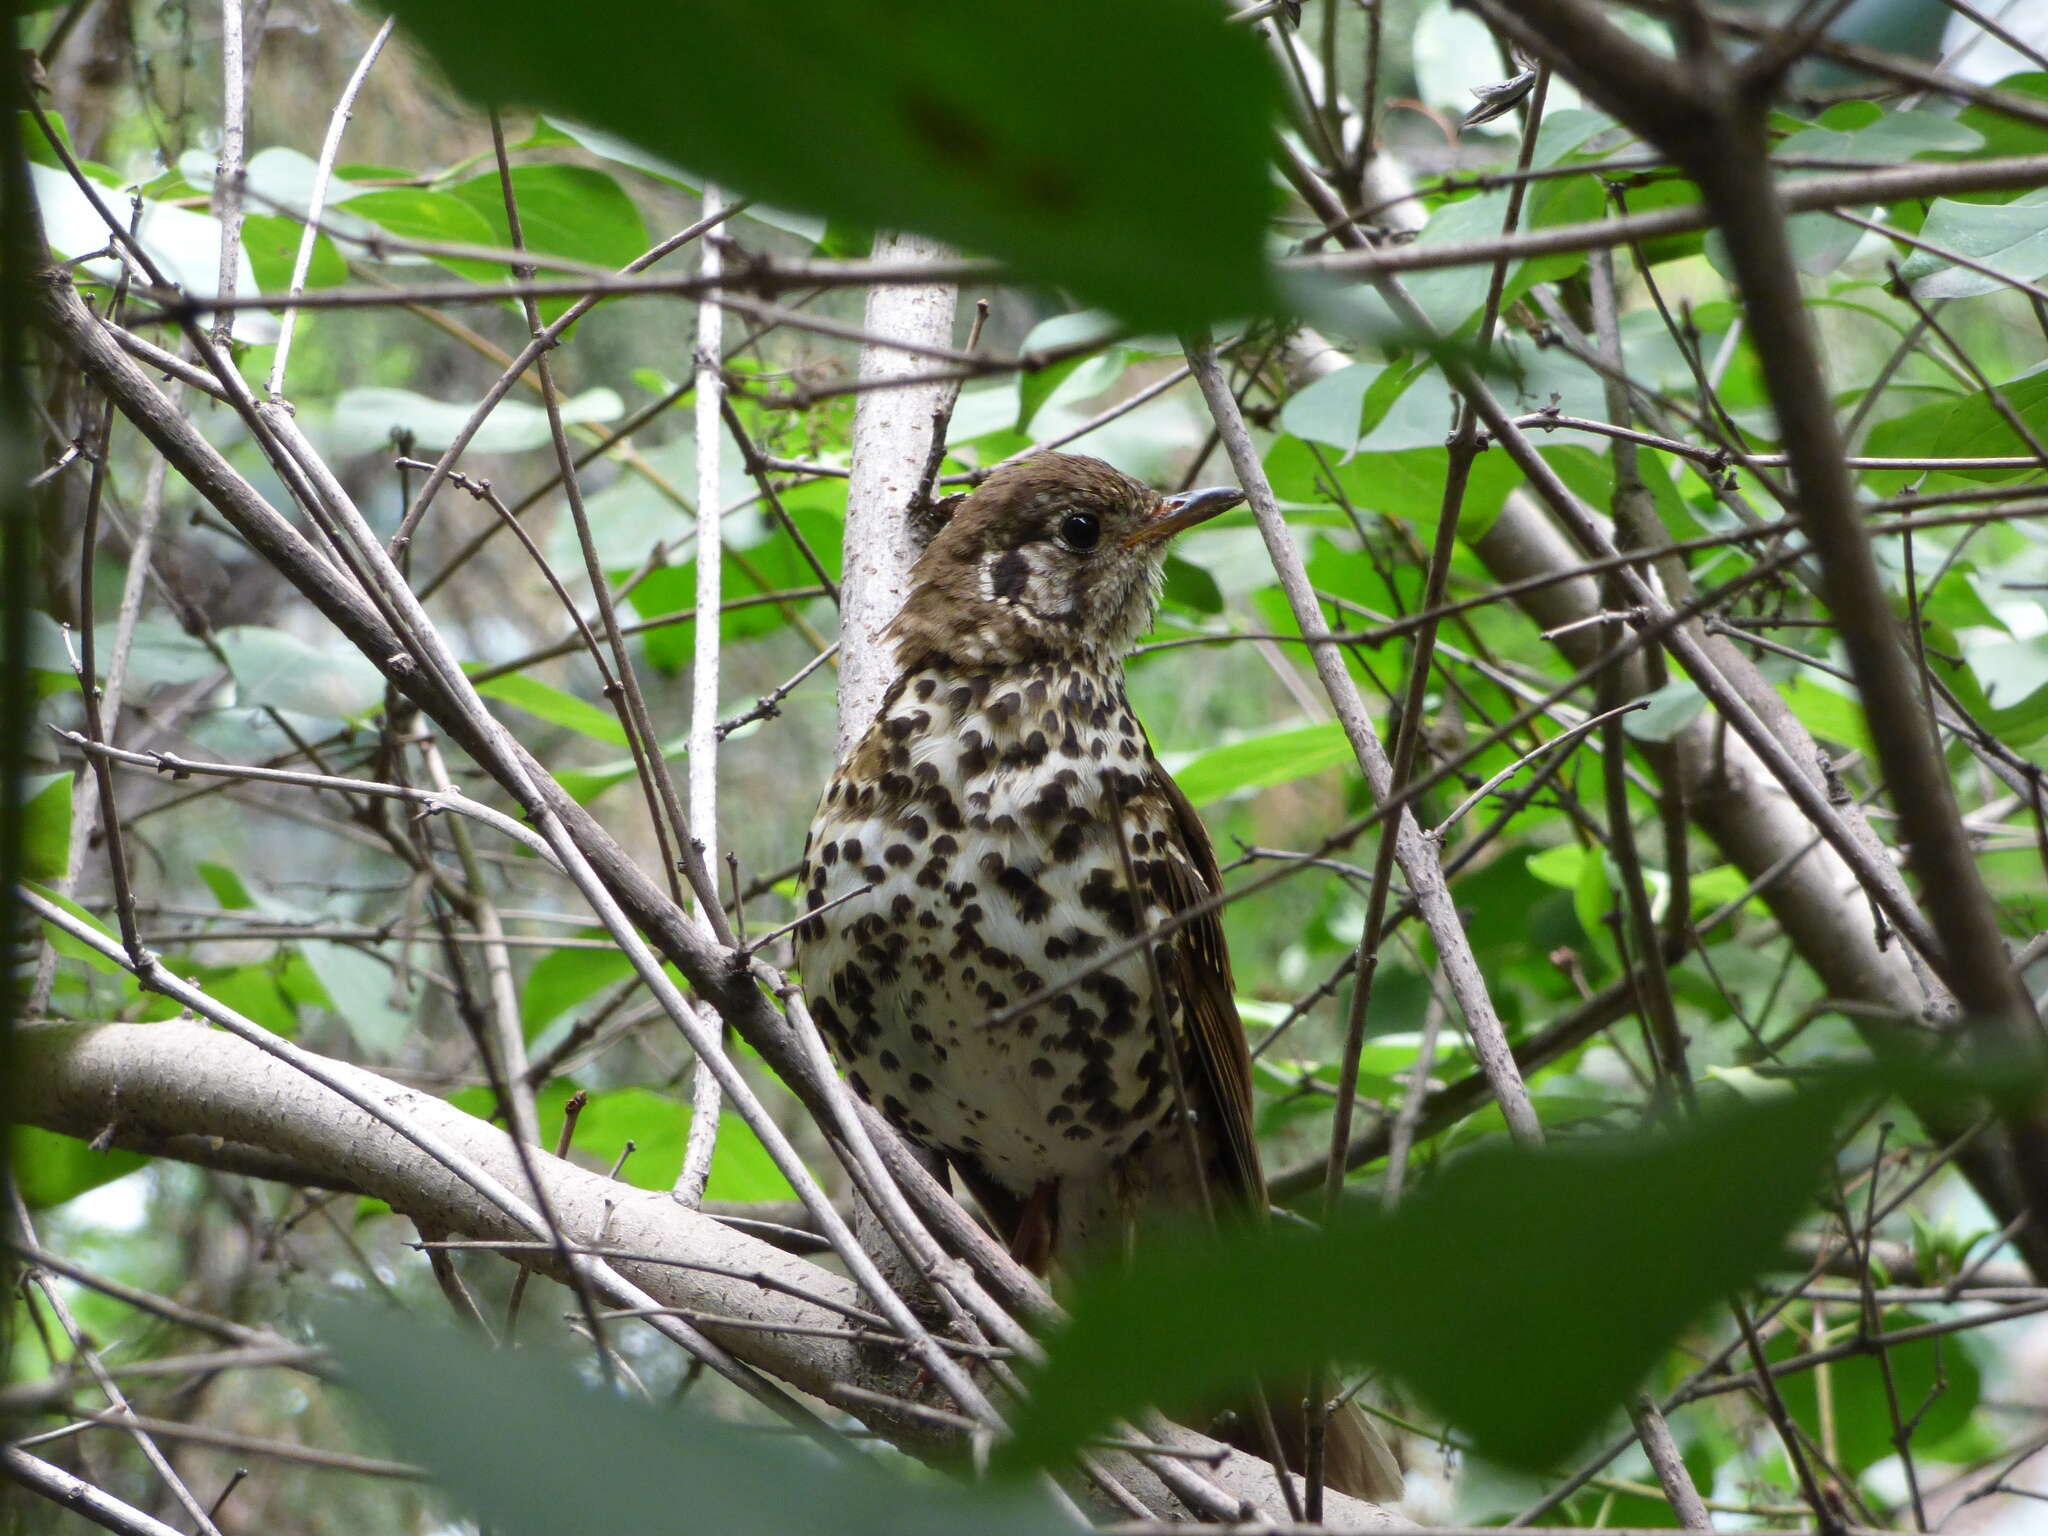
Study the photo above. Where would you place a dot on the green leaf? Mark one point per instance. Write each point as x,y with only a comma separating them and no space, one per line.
1672,1222
773,564
1406,484
1712,889
1592,900
227,886
415,213
562,1455
366,419
1862,132
46,827
50,1169
575,211
2003,133
1259,761
1191,587
1829,714
254,991
160,653
554,706
184,244
281,670
608,146
2024,723
562,978
78,949
741,1168
2008,237
1968,426
1331,409
1937,1374
939,120
1558,866
1670,710
272,245
1058,334
584,785
360,991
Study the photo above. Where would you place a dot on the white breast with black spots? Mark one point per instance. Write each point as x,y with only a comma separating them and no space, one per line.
969,857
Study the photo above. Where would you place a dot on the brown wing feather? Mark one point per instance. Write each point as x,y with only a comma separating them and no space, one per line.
1223,1061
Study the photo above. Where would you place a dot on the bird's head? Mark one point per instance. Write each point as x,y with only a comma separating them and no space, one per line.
1053,557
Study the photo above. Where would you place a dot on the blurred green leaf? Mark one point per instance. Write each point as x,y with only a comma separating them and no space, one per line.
1936,1382
1592,901
1191,587
279,669
554,706
2001,132
937,121
365,420
562,978
1558,866
574,211
46,826
160,652
361,991
1827,712
1405,484
227,886
657,1126
2011,238
562,1455
1614,1245
1863,133
1968,426
77,949
50,1169
1671,709
435,218
1260,761
273,248
254,991
609,146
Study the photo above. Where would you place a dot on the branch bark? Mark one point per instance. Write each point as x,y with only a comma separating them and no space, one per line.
1710,119
148,1085
892,433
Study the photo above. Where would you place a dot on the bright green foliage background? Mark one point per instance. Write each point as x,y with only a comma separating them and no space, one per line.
1116,161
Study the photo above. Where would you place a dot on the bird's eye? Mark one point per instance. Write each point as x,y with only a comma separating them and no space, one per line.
1080,531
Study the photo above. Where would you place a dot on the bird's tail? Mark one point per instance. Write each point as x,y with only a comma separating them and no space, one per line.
1356,1457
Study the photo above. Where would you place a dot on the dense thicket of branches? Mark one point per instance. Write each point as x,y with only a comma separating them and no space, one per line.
1621,707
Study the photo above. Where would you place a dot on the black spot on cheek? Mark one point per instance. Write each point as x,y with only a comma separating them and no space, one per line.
1008,575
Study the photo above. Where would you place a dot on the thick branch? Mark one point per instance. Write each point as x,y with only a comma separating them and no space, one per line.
148,1084
892,433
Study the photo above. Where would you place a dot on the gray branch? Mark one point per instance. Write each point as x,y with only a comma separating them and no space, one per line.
150,1084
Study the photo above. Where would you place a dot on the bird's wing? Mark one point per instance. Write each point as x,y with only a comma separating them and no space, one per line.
1216,1033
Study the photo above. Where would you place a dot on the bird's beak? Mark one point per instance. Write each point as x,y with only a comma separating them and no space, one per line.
1183,511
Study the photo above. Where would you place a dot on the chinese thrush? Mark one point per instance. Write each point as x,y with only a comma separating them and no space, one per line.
1003,824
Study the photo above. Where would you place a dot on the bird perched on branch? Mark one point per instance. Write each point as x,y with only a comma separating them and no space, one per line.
983,861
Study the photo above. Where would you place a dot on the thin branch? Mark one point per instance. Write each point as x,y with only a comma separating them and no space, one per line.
330,147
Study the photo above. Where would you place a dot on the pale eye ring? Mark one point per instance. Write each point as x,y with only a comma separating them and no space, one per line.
1080,531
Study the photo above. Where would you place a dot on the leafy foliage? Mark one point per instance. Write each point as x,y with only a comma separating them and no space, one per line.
1118,163
1459,1294
922,126
563,1456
